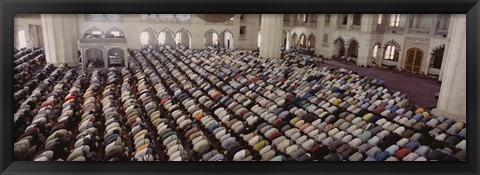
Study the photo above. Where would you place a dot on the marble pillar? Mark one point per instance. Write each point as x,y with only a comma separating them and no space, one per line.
365,49
271,38
452,97
60,38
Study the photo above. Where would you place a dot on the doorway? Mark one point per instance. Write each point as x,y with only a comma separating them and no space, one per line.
413,63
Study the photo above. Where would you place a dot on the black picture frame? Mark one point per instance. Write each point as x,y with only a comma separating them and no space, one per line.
9,8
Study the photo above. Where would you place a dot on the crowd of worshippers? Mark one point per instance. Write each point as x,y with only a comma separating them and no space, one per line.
177,104
25,63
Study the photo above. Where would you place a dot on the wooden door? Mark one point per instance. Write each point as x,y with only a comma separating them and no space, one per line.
413,62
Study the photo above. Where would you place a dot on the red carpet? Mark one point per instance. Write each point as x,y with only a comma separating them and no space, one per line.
420,90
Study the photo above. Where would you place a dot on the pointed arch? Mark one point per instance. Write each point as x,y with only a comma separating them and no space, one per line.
113,31
353,46
436,58
93,31
294,35
210,31
391,50
338,39
226,39
185,40
186,31
211,37
339,47
392,43
352,39
149,29
166,37
226,30
168,30
311,40
148,36
441,46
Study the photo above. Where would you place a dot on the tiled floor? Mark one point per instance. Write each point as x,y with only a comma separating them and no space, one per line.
420,90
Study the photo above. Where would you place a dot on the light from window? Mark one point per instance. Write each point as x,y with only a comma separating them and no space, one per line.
161,38
215,38
178,38
22,40
259,39
375,51
115,33
392,53
183,17
387,52
164,16
304,17
97,32
395,20
302,39
379,21
144,38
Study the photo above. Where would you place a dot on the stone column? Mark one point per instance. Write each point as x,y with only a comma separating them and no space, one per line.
386,22
365,50
433,27
271,38
60,38
406,26
452,98
350,21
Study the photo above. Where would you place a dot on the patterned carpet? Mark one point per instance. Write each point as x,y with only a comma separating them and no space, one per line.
420,90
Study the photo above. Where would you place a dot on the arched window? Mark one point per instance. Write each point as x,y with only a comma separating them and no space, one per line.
161,38
379,20
305,18
375,51
22,40
389,53
144,38
437,58
395,20
178,38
